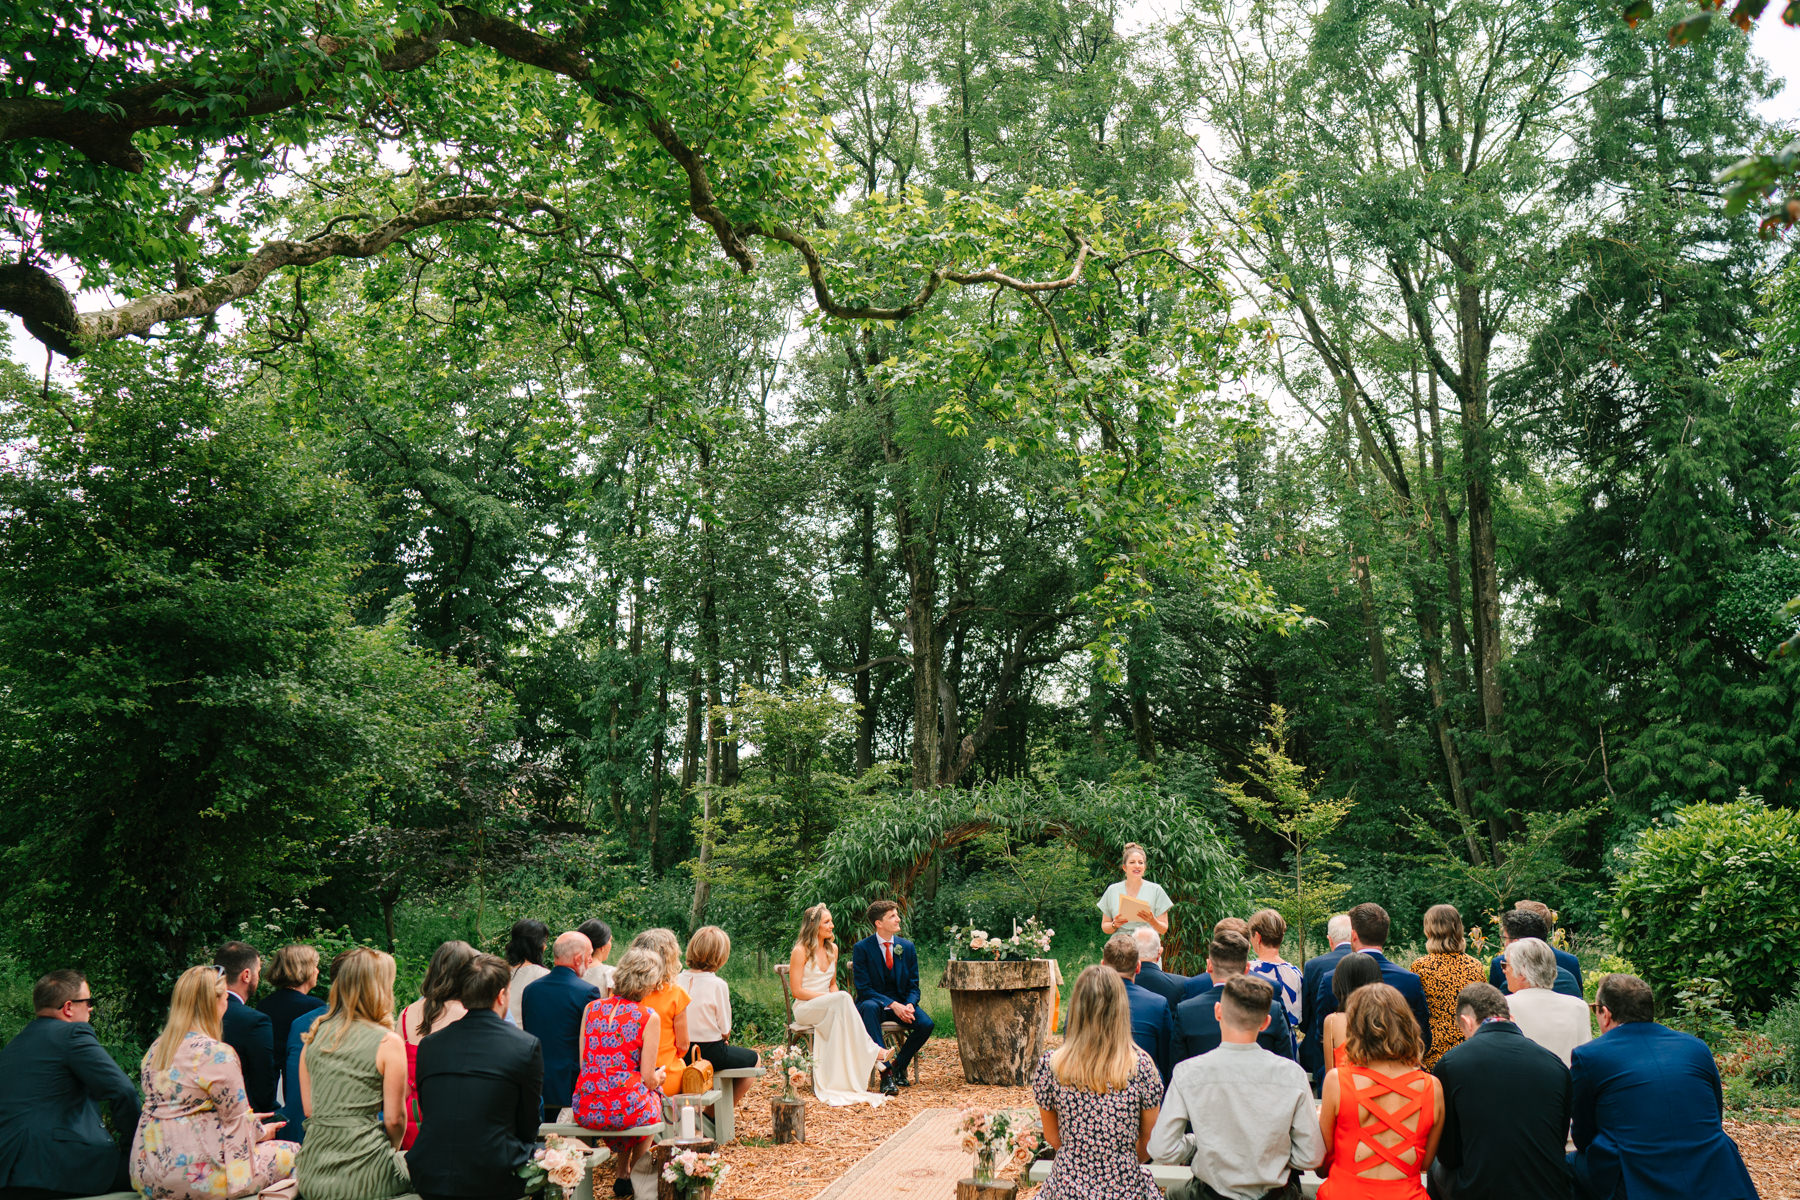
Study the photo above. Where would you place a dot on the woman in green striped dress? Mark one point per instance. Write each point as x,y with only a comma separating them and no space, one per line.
353,1084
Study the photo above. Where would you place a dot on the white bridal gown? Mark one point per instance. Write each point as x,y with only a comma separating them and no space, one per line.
843,1055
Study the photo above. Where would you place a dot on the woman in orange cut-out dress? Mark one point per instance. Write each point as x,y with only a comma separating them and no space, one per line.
1380,1114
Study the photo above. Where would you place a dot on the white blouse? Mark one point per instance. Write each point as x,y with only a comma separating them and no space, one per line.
523,976
709,1014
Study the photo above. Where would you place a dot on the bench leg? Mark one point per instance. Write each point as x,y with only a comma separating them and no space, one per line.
724,1122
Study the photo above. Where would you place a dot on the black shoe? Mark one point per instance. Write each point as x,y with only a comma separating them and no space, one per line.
900,1077
888,1087
622,1187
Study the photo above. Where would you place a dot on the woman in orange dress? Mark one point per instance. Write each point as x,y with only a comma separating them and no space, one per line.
1380,1114
1445,970
669,1001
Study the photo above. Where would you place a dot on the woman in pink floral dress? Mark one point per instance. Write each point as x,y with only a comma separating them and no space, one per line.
197,1138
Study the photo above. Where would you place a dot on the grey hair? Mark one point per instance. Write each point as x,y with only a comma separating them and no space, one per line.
1534,960
1338,928
1149,944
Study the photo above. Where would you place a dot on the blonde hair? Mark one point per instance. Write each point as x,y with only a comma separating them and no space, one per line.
638,974
193,1008
293,966
666,945
811,939
1444,930
1127,852
362,989
708,949
1097,1054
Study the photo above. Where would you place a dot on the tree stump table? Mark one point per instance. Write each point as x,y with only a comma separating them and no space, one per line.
1002,1012
986,1189
663,1151
789,1120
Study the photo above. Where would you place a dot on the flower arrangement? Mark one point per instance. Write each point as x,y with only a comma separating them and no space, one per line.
1030,940
690,1171
793,1066
992,1136
560,1160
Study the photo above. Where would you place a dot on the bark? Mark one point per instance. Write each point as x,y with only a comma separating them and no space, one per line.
715,720
863,682
1378,664
653,819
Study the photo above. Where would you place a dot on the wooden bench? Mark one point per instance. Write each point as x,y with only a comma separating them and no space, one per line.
1168,1176
892,1032
725,1112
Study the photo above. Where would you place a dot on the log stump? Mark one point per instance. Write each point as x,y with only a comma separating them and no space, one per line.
988,1189
1002,1012
790,1120
663,1151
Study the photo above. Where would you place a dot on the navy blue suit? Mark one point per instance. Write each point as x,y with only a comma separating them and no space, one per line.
1404,981
1152,1027
250,1032
292,1111
1319,966
1646,1119
878,986
550,1010
53,1076
1172,988
1195,985
1568,974
1197,1028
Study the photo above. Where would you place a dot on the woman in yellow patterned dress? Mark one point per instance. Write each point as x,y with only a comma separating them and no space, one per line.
197,1138
1445,970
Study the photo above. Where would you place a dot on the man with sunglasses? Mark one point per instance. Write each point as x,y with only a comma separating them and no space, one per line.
53,1076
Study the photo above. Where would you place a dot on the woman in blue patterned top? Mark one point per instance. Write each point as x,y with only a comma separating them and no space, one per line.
1268,929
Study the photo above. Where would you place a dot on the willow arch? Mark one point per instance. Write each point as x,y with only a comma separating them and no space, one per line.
883,850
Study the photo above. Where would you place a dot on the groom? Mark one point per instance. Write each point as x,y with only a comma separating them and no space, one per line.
886,969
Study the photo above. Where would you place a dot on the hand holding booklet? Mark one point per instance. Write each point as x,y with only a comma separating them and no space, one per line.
1133,909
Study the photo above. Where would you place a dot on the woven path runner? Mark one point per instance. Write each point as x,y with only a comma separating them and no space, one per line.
925,1158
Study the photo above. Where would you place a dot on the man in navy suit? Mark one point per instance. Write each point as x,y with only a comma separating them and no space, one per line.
1197,1028
1203,981
1320,966
1152,1025
1526,921
1150,973
551,1010
885,967
1646,1108
250,1032
1368,933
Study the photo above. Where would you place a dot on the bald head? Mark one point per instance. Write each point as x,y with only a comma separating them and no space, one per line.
573,950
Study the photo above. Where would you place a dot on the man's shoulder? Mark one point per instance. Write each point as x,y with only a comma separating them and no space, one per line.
1222,1063
243,1016
864,944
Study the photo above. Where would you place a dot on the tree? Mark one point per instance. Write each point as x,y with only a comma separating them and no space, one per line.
1288,804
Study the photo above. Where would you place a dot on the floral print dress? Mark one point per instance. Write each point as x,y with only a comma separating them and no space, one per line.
610,1092
1099,1133
196,1139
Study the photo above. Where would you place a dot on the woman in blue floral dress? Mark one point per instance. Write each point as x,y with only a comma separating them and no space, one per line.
620,1085
1098,1097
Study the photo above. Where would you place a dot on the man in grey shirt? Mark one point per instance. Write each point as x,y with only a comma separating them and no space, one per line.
1256,1108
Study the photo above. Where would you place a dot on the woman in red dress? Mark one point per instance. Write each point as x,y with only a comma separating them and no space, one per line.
1380,1114
620,1085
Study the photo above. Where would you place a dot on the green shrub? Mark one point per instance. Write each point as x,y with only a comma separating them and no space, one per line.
1714,893
1782,1029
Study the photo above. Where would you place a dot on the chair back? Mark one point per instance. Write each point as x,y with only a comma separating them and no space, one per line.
787,993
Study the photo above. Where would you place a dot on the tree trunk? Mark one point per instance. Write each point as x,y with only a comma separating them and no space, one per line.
1378,664
789,1119
653,817
709,647
862,683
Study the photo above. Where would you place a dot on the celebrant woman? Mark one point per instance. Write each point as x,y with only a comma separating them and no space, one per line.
1134,901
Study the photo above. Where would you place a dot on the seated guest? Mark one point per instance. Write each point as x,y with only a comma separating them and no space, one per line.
1098,1096
1268,929
1646,1108
885,968
553,1008
1151,975
670,1001
292,1110
1196,1021
1522,922
1242,1119
620,1085
1556,1022
439,1005
250,1032
709,1013
1320,966
293,974
1368,933
525,955
1506,1109
481,1087
1445,970
599,936
197,1138
1152,1028
1203,982
843,1051
353,1084
1564,959
1353,971
1381,1116
53,1076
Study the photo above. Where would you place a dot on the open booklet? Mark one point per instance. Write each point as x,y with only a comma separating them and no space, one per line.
1133,909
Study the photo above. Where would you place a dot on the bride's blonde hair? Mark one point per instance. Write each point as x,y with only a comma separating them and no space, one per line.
1097,1053
812,938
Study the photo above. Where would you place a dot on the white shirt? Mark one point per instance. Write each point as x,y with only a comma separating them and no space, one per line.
601,976
524,975
1554,1021
709,1013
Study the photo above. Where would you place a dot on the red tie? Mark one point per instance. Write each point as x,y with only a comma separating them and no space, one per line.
887,951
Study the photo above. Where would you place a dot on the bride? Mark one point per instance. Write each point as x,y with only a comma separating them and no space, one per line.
842,1051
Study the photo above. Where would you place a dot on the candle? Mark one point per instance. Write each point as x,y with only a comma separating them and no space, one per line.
687,1120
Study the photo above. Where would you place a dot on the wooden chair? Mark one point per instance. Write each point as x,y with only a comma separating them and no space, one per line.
893,1033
